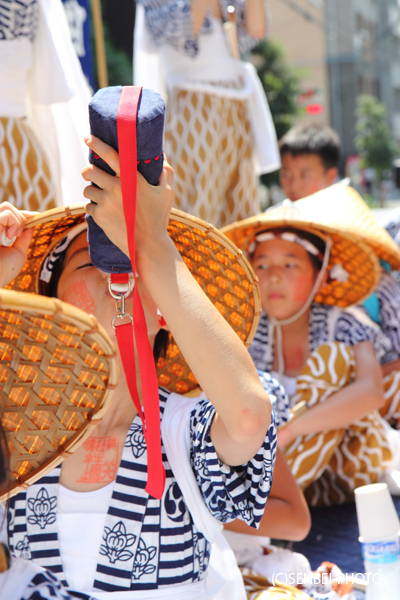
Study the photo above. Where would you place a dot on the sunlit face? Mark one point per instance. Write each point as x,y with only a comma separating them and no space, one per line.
286,277
303,175
84,286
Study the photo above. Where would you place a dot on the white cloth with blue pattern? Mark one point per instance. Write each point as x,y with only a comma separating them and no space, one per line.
26,581
327,324
149,546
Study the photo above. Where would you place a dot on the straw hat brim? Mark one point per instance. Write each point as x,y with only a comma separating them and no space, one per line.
57,371
218,266
342,208
356,258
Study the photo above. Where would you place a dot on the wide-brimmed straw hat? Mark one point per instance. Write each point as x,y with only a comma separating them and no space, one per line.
342,207
218,266
58,368
353,266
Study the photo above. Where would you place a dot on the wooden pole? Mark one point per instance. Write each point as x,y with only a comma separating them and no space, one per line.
231,33
99,42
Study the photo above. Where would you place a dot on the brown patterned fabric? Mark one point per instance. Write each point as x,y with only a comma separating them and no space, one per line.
24,172
329,465
207,140
391,391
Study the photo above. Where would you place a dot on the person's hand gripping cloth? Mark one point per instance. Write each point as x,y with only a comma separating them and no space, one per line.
131,120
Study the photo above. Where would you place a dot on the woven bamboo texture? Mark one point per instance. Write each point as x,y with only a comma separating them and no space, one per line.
342,207
349,250
218,266
49,229
57,371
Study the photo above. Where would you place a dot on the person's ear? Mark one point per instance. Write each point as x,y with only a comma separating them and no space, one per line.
331,175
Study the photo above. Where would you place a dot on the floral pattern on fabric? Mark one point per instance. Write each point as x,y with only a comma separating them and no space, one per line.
135,440
149,543
230,492
24,548
142,565
42,509
116,542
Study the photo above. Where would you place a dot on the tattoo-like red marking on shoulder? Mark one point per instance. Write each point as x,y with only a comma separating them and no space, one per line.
100,461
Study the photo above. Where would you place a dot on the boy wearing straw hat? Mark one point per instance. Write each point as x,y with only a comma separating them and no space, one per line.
310,157
142,544
310,269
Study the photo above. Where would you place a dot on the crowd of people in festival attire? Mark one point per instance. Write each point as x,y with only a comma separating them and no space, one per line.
307,414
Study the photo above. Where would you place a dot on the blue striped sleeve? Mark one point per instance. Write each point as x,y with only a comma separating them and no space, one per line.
230,492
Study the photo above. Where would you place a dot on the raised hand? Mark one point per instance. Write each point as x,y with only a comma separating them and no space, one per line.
106,207
12,257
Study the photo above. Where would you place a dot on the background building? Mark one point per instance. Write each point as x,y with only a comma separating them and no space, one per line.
300,26
347,48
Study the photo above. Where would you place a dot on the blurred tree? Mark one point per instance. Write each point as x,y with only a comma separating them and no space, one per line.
374,140
281,83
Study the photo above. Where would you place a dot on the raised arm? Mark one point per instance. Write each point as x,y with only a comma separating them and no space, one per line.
344,407
217,357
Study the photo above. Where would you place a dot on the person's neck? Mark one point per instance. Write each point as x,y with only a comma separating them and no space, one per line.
295,345
299,327
122,410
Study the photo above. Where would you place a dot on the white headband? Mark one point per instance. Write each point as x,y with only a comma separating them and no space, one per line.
47,269
287,236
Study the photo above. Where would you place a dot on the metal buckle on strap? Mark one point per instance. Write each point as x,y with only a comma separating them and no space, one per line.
119,298
121,316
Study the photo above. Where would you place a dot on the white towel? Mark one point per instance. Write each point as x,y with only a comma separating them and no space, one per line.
224,579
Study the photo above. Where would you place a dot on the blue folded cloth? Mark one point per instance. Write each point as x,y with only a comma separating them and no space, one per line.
103,109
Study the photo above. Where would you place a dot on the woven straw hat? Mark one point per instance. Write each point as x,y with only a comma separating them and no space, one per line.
353,266
57,371
342,207
218,266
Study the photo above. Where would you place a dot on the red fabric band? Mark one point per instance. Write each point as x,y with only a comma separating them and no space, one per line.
126,127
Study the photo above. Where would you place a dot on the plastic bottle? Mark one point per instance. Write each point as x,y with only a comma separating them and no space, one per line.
382,569
379,529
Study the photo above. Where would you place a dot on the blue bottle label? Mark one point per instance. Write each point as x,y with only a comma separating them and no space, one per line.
381,552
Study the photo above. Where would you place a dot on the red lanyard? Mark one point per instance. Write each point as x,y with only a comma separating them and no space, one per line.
127,333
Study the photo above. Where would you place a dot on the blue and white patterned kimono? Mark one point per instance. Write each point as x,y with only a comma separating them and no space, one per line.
327,324
149,544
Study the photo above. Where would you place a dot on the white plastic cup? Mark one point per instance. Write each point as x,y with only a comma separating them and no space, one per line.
379,528
376,514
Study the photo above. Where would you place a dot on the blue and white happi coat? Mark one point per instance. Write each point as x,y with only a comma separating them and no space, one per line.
327,324
148,543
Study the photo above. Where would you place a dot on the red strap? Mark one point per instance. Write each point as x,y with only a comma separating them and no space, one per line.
126,127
